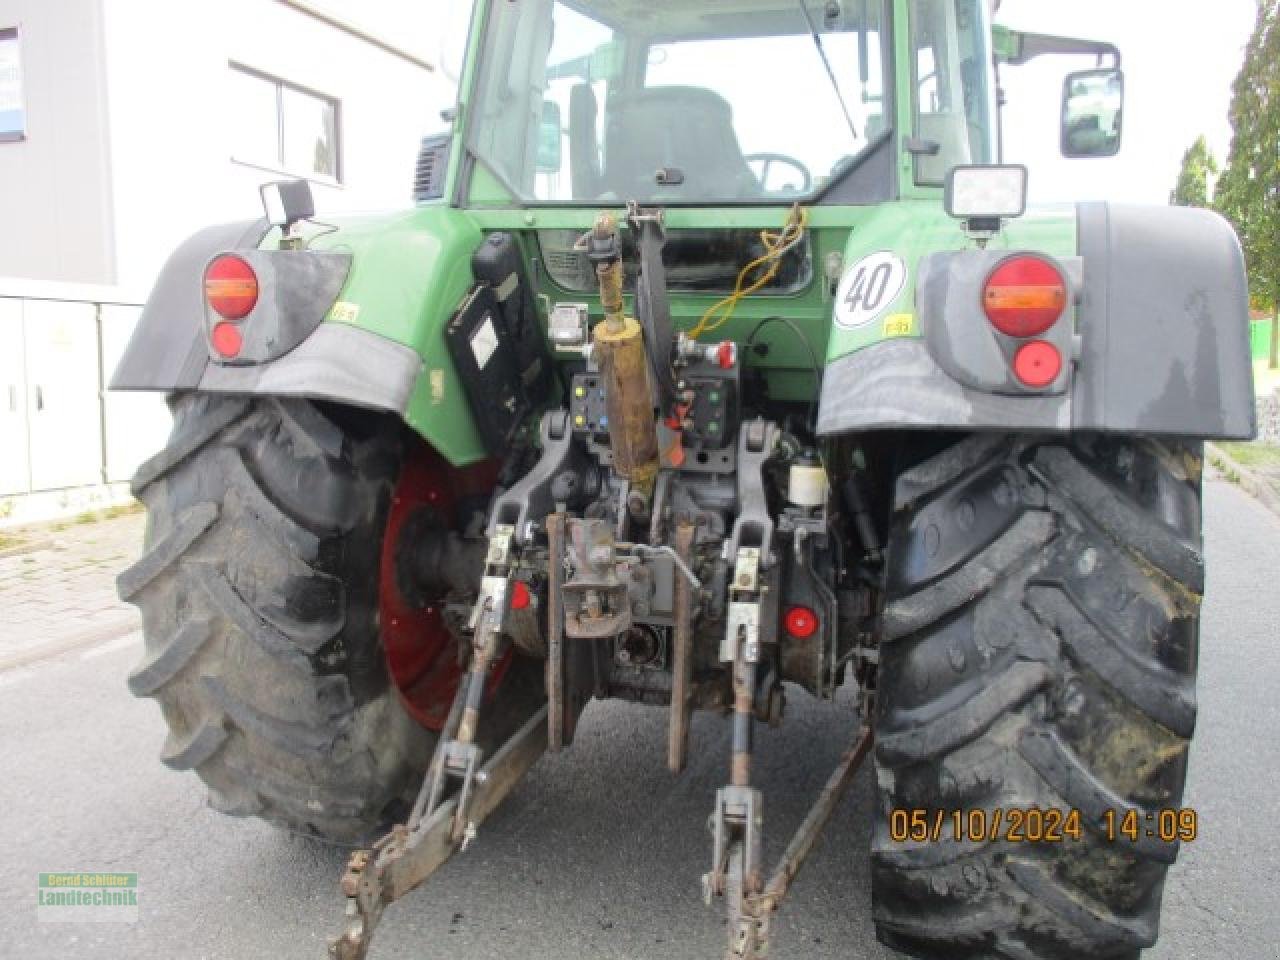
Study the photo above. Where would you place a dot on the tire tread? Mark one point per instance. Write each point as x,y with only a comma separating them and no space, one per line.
260,694
1103,600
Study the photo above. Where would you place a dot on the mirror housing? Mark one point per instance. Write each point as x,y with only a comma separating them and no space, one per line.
549,139
285,202
1092,113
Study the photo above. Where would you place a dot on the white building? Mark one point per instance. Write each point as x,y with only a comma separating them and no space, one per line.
126,125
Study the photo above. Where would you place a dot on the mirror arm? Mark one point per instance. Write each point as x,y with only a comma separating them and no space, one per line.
1001,102
1023,47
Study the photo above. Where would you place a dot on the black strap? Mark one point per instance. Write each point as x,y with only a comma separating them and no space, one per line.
653,309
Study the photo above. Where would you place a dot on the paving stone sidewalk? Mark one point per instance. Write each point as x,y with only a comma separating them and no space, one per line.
61,595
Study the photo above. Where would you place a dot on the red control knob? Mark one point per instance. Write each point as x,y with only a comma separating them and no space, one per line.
727,355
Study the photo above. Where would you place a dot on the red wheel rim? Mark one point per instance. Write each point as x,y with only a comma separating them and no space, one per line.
421,654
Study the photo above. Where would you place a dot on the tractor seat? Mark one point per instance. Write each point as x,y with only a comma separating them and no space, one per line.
689,129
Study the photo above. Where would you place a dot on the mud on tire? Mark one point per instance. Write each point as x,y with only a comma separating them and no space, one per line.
1039,650
258,591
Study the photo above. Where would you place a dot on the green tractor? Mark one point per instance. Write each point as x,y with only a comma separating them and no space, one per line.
718,362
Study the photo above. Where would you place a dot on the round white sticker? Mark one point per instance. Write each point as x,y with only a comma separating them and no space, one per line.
869,288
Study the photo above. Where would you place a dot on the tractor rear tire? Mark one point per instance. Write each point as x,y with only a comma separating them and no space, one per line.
258,587
1039,651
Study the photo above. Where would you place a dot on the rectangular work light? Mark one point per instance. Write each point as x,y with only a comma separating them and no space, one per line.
986,192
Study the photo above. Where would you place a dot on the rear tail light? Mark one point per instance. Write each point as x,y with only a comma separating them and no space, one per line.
1037,364
1024,296
801,622
227,339
230,287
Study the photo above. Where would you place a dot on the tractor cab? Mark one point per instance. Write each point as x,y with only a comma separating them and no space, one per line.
749,102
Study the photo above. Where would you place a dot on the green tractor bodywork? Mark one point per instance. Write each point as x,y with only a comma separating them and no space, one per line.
409,274
868,421
410,270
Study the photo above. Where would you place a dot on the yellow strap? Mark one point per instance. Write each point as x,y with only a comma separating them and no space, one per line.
775,246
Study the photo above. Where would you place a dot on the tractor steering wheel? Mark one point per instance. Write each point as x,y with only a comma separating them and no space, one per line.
766,161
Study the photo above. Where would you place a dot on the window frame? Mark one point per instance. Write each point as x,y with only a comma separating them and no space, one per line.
991,108
849,189
280,164
13,34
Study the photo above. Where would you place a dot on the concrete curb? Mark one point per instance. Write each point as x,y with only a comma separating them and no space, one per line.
1249,481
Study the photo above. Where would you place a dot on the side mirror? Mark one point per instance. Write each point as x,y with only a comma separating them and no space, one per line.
287,201
1092,113
549,138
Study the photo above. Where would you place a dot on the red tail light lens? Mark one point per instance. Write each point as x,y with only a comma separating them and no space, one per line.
801,622
520,595
1037,364
227,339
1024,296
231,287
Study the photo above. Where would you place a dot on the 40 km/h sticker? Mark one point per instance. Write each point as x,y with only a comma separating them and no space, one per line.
868,288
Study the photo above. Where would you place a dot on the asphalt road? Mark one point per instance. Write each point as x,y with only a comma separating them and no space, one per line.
598,853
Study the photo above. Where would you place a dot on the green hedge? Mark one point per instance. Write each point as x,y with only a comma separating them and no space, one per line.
1260,333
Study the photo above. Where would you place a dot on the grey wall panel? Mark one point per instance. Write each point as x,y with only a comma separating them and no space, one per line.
58,222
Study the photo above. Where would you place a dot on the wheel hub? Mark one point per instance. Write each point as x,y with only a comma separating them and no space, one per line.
421,652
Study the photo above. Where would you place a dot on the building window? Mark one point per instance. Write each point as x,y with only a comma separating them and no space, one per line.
13,112
284,127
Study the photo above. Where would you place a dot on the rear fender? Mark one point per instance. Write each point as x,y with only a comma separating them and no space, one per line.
167,351
357,319
1157,338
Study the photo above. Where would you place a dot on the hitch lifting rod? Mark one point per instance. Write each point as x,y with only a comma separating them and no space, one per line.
806,835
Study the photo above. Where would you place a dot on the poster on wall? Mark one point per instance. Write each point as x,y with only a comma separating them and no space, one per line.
13,114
